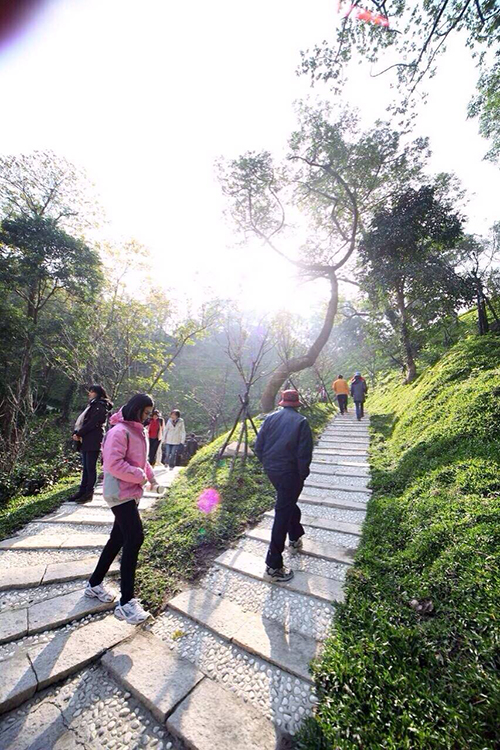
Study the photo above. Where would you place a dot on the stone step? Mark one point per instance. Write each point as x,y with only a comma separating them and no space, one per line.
341,463
99,502
335,480
291,652
357,445
325,523
147,668
55,541
343,555
66,653
322,487
212,717
326,589
330,501
339,452
48,614
330,470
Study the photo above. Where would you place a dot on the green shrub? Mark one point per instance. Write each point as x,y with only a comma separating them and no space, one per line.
180,539
412,661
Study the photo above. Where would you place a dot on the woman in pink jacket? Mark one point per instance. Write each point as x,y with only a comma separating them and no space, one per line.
126,471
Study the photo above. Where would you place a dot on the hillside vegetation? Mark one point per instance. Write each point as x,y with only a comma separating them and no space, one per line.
412,662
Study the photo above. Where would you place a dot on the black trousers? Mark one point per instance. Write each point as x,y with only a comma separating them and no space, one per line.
153,447
89,474
342,399
127,533
286,515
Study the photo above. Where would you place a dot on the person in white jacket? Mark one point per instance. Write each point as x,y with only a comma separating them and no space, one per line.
174,437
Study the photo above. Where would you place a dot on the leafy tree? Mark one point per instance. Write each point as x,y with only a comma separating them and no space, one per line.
334,178
39,263
480,256
411,44
407,266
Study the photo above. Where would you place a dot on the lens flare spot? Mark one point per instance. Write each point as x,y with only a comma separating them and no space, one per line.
208,500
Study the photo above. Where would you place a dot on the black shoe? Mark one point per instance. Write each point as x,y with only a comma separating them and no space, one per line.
85,498
278,575
74,498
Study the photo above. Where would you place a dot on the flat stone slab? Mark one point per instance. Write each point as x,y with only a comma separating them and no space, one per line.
83,516
331,502
212,717
340,451
338,481
75,569
147,668
311,547
68,652
99,502
290,651
326,589
318,522
55,541
21,578
354,462
52,613
214,612
46,728
18,682
318,487
334,470
13,624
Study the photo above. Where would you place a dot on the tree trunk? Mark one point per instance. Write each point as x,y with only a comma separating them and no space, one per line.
296,364
67,403
411,367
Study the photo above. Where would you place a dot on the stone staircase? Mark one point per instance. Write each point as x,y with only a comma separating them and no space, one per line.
226,665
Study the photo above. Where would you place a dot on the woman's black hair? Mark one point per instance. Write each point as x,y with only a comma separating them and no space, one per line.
101,393
133,409
176,411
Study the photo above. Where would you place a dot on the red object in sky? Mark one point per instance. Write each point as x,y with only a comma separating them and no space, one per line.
364,15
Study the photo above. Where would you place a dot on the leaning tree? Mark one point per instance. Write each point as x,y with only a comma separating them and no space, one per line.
334,178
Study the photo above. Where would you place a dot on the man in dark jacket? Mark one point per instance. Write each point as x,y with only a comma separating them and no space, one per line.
284,446
359,389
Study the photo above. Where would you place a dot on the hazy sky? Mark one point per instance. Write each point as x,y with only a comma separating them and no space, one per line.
145,95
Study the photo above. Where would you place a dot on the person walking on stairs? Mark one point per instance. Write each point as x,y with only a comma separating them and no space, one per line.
359,389
126,471
88,435
155,434
284,446
174,438
341,390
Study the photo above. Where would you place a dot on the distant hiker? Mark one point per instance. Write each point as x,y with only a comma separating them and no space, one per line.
126,471
284,446
88,434
341,389
359,389
155,433
174,438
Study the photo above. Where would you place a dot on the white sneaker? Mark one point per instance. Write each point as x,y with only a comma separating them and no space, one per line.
132,612
99,592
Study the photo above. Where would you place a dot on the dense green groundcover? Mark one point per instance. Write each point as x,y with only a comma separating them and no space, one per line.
413,660
20,510
181,540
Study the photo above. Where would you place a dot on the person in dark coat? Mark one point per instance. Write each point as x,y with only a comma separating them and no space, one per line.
88,435
284,446
359,389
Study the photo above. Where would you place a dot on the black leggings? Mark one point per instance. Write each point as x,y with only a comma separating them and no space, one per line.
127,533
89,474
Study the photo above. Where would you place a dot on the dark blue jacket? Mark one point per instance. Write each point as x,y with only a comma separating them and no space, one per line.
285,442
358,389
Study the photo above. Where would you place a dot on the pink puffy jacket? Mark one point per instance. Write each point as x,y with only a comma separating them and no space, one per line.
124,461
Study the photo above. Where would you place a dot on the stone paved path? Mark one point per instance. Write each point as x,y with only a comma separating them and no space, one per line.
225,667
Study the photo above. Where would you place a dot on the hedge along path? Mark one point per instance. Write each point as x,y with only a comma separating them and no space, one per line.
226,665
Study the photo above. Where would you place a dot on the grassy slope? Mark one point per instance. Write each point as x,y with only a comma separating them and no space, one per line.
20,510
391,676
180,539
